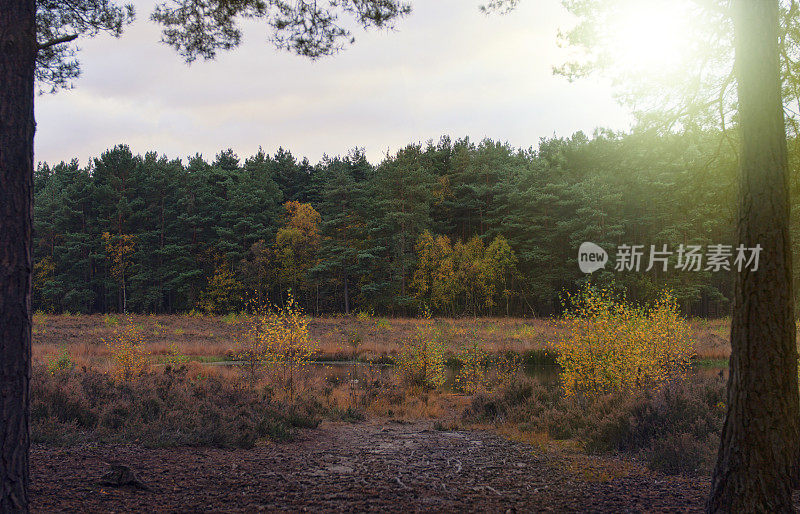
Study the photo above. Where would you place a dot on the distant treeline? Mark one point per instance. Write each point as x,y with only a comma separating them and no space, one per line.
451,227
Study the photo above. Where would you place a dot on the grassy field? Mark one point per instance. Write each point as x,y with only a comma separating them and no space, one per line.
211,338
89,400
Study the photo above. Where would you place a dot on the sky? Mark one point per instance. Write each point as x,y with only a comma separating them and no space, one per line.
446,69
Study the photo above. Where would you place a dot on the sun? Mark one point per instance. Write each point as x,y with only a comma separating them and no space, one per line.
650,36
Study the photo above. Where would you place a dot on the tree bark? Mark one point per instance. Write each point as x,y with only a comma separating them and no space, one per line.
17,60
760,443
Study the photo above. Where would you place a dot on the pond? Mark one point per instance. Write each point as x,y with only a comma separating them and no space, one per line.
545,374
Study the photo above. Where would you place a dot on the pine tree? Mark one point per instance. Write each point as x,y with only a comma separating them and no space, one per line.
340,186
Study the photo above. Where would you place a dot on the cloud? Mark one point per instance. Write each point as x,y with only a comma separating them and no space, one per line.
447,69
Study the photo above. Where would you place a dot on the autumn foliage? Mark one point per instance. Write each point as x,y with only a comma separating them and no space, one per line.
297,243
127,347
223,293
120,249
472,375
463,276
610,345
421,361
277,341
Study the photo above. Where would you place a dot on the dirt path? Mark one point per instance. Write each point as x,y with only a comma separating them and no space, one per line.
363,467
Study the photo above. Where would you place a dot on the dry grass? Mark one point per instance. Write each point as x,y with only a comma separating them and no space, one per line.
712,337
213,337
172,408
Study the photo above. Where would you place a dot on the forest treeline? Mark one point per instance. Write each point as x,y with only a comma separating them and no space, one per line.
452,227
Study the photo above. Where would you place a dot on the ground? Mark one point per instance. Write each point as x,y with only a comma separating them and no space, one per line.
376,465
216,337
381,464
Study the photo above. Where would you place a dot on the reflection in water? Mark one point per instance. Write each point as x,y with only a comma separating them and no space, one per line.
545,374
548,374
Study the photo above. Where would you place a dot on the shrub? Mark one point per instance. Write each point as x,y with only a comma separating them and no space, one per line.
508,368
231,318
251,349
62,362
127,351
609,345
674,428
39,317
278,339
682,453
165,409
676,407
354,340
421,360
471,376
175,358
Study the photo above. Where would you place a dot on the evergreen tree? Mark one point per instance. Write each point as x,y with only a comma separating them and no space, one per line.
340,185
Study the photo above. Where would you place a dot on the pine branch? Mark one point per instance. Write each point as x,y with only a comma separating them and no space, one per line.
58,41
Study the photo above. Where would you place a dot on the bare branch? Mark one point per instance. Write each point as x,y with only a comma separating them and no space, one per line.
58,41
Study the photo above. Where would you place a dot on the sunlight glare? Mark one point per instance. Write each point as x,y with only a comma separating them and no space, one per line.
650,36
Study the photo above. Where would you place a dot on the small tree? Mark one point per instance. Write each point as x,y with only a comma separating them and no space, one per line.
127,347
120,249
471,376
432,281
297,243
609,345
278,339
421,361
223,293
479,274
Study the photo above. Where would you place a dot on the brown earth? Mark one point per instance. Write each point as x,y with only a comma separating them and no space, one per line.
372,466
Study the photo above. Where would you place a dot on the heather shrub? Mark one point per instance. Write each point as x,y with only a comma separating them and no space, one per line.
530,405
674,428
682,453
161,409
609,345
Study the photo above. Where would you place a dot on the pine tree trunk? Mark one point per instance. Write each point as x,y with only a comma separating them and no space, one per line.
17,58
759,449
